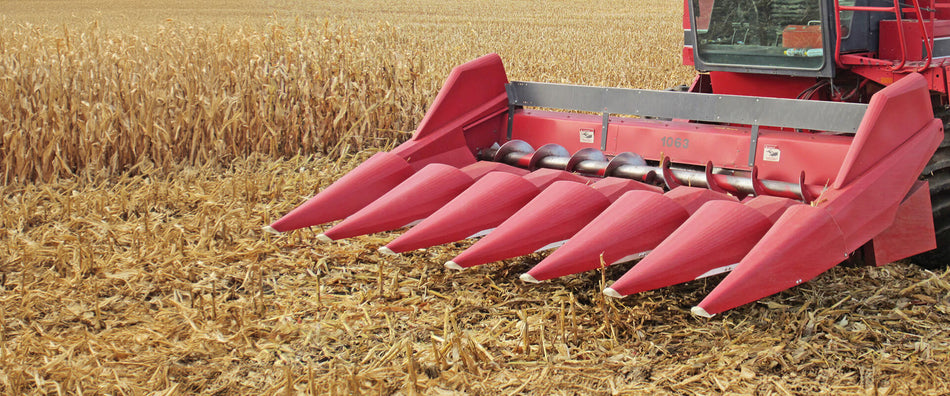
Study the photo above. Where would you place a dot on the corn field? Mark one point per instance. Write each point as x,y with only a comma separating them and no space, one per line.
144,146
86,98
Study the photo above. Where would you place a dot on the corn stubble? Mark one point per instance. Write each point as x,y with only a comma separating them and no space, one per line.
161,282
139,165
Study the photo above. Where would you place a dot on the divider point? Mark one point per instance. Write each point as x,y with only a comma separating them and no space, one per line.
699,311
324,238
526,277
270,230
612,293
387,251
451,265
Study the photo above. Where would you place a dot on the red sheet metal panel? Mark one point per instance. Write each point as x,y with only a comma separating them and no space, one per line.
780,155
912,231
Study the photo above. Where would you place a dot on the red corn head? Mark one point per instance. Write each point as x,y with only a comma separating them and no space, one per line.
356,189
484,205
890,149
637,222
863,190
713,240
772,267
552,217
473,93
414,199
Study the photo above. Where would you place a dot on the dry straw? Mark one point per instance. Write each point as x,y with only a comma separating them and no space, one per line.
185,308
87,99
139,165
78,98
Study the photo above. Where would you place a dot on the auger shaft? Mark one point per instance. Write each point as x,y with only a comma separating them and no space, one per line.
741,182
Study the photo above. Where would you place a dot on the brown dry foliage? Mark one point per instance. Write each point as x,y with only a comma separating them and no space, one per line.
81,96
139,164
88,99
161,282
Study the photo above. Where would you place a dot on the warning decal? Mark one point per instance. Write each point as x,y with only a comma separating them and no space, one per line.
587,135
771,153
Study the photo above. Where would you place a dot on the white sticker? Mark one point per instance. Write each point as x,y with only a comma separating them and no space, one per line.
551,246
587,135
771,153
480,233
717,271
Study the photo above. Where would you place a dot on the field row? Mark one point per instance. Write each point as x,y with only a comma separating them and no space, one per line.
90,98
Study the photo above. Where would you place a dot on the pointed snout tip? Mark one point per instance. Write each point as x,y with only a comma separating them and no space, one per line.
324,238
271,230
527,278
699,311
387,251
453,266
612,293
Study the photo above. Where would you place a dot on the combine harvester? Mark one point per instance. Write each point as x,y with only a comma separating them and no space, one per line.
808,136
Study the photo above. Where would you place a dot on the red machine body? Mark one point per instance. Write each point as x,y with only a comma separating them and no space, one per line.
917,42
796,146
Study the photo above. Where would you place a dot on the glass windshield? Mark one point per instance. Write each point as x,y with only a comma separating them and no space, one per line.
759,33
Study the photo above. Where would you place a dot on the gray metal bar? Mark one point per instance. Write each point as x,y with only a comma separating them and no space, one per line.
603,131
747,110
753,142
557,96
511,119
509,89
687,38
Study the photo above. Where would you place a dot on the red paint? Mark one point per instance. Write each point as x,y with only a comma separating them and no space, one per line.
473,94
900,107
369,181
803,243
416,198
726,146
912,231
889,42
861,204
719,234
867,184
554,215
486,204
767,85
637,222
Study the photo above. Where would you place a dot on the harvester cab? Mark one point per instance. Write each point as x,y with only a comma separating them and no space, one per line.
762,36
808,136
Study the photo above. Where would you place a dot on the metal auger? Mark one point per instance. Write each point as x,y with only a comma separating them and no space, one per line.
632,166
